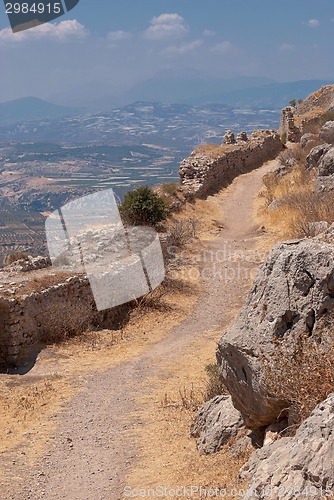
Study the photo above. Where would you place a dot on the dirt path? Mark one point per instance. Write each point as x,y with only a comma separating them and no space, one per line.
95,446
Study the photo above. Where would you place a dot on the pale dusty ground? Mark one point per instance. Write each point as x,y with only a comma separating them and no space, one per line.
107,410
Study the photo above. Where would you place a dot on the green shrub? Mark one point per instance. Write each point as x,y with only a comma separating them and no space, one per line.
143,206
284,137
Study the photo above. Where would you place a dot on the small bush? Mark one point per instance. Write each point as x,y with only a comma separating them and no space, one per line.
284,137
294,155
326,117
62,260
215,386
280,187
287,158
303,376
306,208
181,232
187,399
14,257
143,207
170,188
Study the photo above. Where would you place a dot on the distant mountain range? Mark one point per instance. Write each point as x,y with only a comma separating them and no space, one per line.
30,109
243,91
272,95
259,93
189,90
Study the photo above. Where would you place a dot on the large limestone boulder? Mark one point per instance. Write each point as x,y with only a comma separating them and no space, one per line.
298,467
326,164
306,139
292,293
327,132
215,424
325,174
316,154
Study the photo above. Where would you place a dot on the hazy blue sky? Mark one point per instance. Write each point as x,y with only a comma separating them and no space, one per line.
107,46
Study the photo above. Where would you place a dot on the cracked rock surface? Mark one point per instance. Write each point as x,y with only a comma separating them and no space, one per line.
292,294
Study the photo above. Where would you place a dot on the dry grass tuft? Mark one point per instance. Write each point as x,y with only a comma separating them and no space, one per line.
186,399
63,322
25,407
170,188
168,454
302,375
298,204
213,150
182,231
14,257
214,386
36,282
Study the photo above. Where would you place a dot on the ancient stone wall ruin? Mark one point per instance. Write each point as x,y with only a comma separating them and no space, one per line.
203,174
288,129
308,115
31,321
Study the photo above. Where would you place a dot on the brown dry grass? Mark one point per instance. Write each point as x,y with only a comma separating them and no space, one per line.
29,402
26,408
37,281
312,114
169,456
298,203
303,375
213,150
204,213
92,351
181,231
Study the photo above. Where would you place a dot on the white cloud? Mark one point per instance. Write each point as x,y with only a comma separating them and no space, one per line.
222,47
185,48
166,26
313,23
209,33
62,31
286,47
118,36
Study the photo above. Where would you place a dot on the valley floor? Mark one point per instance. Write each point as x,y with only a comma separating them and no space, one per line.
118,413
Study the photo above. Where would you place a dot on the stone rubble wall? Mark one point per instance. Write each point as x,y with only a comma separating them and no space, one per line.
308,115
203,175
31,321
288,129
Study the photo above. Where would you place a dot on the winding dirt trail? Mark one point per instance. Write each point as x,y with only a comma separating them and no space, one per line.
95,446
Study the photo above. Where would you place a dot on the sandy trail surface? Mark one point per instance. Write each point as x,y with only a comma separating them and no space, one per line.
94,446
